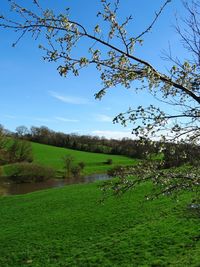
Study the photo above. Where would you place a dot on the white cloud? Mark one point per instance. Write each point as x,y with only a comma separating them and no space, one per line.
69,99
113,134
65,119
104,118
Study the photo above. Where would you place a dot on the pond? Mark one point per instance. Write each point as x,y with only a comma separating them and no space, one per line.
9,188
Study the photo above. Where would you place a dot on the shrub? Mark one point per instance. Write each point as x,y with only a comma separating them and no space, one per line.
70,168
81,165
115,171
76,171
4,157
109,161
68,161
29,172
1,171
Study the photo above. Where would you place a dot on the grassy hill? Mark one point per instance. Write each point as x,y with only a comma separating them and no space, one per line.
94,162
68,227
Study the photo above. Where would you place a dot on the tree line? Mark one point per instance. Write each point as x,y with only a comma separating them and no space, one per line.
171,153
96,144
16,146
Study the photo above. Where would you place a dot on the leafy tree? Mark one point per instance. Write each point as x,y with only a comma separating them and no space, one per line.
113,52
68,161
4,157
19,151
3,139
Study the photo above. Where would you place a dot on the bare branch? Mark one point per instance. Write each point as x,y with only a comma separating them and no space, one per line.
157,15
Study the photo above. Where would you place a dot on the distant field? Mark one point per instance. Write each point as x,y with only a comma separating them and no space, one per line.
94,162
68,227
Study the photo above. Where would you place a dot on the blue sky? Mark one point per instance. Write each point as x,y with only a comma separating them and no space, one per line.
33,93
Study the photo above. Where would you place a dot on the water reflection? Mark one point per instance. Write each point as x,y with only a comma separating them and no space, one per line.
9,188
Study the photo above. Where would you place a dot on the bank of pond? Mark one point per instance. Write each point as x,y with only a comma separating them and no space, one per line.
9,187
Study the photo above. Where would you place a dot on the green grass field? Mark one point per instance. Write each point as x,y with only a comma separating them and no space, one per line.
94,162
68,227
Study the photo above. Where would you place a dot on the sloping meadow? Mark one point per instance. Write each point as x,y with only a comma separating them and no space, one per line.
71,227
